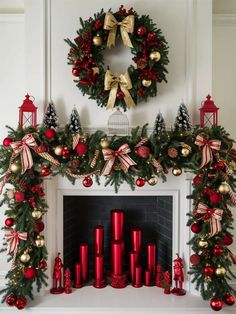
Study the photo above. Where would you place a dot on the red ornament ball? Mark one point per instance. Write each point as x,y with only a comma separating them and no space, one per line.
21,303
141,31
7,141
208,270
196,227
30,273
39,225
87,182
228,239
11,300
195,259
143,151
43,264
19,196
197,180
217,251
50,134
45,171
215,198
75,72
120,95
65,152
81,149
216,304
219,165
42,148
140,182
229,299
9,222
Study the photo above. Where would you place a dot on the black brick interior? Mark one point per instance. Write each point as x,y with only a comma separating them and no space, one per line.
153,214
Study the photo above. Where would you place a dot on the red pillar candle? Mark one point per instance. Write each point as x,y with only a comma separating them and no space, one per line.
98,239
84,261
117,257
138,277
99,272
151,259
132,264
78,283
117,224
136,241
147,278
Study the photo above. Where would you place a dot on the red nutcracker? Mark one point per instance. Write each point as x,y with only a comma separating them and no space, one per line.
57,276
178,276
67,281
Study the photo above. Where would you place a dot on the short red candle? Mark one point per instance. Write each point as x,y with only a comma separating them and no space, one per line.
147,277
136,241
78,283
151,258
132,264
138,277
98,239
117,257
117,224
98,269
84,261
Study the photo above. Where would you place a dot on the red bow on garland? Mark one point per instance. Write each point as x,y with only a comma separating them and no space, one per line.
23,147
207,146
13,237
122,154
212,214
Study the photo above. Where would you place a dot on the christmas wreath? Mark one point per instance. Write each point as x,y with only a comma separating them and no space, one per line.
139,82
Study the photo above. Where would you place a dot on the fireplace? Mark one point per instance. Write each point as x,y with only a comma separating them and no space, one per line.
152,214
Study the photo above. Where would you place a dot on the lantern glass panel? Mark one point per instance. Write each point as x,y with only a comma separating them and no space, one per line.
27,119
208,119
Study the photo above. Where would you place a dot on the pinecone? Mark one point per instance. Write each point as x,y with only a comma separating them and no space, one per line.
172,152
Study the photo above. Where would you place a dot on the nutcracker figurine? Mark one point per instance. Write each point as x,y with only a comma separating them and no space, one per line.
67,281
57,276
178,276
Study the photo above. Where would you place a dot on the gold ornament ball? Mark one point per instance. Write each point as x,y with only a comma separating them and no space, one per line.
104,143
152,181
146,83
207,279
220,271
224,188
39,242
15,167
203,244
37,214
155,56
58,150
185,151
176,171
25,257
97,40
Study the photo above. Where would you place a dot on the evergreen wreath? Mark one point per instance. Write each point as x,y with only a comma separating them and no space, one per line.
147,44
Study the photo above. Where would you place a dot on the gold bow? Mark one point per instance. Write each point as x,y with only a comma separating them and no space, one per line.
126,26
112,82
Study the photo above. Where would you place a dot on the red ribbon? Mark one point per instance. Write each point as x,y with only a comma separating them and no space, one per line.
23,147
122,154
214,215
157,165
207,146
13,238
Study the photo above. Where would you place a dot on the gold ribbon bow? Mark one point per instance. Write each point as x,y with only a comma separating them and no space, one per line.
112,82
126,26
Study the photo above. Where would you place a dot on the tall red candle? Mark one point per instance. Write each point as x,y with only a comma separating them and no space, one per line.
132,264
136,241
117,257
78,283
99,282
117,224
84,261
151,259
138,277
98,239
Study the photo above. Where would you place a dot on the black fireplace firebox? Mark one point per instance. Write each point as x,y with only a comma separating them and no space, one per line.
152,214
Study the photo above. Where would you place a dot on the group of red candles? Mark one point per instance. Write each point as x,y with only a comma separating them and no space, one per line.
118,275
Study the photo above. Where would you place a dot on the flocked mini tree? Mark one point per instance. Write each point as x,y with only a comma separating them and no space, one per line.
182,121
74,123
160,125
50,117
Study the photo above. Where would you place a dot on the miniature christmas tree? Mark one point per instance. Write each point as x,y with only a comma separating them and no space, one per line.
74,123
160,125
182,121
50,117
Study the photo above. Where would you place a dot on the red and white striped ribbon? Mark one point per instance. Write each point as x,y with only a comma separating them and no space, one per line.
157,165
142,142
13,238
207,146
75,140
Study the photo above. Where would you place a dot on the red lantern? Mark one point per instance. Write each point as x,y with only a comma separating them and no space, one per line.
27,113
208,113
